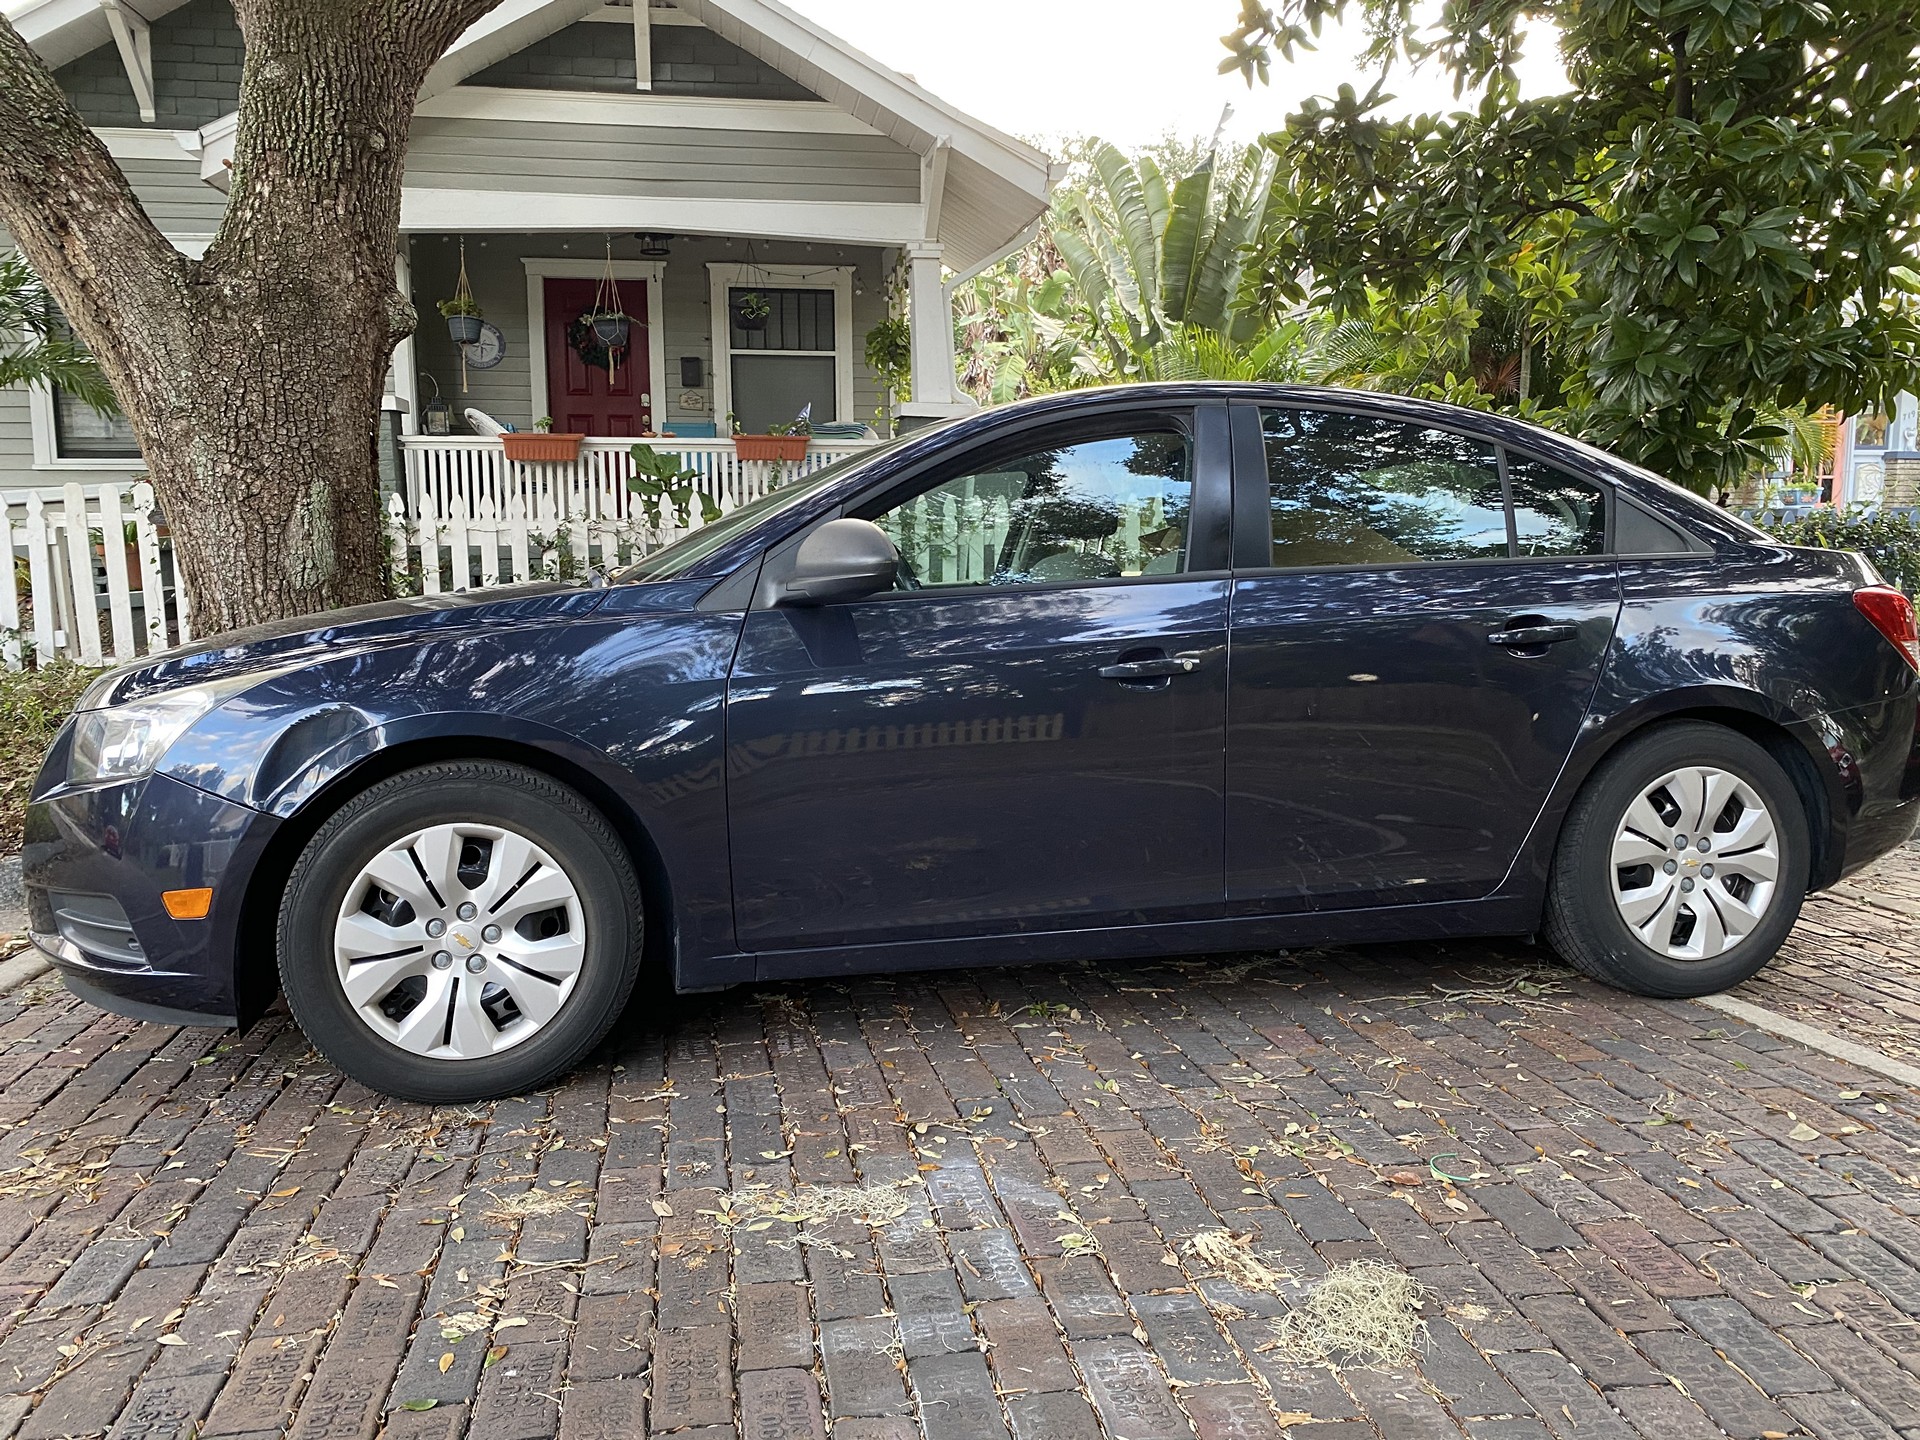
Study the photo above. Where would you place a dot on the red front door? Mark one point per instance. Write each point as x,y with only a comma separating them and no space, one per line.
586,398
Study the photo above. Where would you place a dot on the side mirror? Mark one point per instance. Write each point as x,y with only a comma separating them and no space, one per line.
842,560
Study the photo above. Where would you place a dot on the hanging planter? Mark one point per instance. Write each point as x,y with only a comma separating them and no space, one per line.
611,330
462,314
607,326
752,310
463,326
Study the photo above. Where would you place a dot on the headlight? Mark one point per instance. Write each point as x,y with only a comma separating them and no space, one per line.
127,741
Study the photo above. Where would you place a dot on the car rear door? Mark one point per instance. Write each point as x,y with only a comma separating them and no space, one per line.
1413,653
1030,735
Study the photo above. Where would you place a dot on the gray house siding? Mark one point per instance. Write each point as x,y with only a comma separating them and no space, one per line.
658,160
499,279
687,60
175,196
16,435
196,72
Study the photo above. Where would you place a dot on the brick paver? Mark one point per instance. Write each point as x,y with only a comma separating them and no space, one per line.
1852,964
1630,1218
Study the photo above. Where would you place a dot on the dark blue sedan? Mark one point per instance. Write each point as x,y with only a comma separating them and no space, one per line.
1145,671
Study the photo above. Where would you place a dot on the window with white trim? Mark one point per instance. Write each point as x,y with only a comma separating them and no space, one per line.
72,430
782,342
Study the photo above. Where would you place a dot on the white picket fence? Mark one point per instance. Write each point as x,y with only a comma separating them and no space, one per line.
77,588
434,553
473,470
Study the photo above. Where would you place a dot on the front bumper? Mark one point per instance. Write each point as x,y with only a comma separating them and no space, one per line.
96,863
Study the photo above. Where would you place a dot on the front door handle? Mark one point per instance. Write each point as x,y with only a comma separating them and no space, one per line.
1154,669
1527,636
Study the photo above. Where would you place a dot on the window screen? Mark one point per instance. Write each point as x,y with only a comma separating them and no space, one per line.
1364,490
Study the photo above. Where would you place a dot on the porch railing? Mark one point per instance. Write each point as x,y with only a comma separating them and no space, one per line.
474,470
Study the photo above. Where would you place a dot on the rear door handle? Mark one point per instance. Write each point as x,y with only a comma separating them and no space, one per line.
1151,669
1522,636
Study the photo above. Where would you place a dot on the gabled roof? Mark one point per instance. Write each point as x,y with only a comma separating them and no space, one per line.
995,186
985,189
64,30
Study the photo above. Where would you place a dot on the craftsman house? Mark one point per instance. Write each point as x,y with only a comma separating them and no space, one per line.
759,193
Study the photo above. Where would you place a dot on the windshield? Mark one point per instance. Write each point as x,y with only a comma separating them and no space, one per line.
682,555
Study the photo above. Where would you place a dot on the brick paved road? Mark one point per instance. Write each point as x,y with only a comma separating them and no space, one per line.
1873,921
1674,1228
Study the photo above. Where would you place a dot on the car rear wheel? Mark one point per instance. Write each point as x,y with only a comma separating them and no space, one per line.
1682,864
459,932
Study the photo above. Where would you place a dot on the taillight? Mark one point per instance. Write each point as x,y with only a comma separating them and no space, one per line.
1891,613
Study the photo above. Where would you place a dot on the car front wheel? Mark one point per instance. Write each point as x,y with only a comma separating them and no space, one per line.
1682,864
459,932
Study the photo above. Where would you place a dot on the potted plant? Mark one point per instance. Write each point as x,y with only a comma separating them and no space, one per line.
610,327
752,310
781,442
462,314
540,445
130,540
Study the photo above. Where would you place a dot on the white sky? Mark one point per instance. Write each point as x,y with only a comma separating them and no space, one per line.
1126,70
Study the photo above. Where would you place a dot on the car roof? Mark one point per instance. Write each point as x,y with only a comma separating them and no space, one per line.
1674,500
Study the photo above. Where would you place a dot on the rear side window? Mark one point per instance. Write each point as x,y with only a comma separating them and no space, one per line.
1364,490
1555,513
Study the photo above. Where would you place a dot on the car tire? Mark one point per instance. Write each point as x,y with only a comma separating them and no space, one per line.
1604,879
481,821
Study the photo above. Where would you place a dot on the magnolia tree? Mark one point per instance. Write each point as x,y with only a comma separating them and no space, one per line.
1707,234
252,376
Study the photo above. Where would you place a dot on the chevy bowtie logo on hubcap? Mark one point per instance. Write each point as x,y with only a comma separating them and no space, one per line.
465,941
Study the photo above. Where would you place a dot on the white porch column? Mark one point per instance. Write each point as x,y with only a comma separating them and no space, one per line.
406,372
936,389
1903,431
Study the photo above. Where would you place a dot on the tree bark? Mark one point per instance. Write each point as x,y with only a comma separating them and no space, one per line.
252,377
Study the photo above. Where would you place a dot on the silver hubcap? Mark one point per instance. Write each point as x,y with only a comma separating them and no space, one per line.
459,941
1695,863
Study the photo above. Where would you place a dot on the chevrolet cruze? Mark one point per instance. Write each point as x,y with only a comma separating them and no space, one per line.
1157,670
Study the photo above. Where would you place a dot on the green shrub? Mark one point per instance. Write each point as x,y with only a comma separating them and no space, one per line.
34,704
1889,538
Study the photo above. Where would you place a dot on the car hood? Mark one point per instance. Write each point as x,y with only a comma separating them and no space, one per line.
286,644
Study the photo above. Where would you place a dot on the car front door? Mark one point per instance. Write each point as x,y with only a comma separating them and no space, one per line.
1028,732
1412,656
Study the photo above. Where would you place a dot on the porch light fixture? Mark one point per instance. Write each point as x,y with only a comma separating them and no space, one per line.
654,247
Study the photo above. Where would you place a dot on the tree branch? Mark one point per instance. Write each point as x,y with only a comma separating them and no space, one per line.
78,222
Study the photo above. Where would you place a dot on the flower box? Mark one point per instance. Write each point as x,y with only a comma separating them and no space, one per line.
538,446
770,447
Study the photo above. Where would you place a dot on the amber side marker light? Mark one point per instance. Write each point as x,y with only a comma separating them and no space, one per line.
187,904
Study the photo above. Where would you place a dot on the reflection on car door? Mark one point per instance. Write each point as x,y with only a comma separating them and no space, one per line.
1029,738
1411,670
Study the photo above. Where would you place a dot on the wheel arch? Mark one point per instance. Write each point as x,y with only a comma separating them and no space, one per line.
257,984
1789,739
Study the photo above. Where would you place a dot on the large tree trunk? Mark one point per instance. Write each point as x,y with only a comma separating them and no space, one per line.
252,377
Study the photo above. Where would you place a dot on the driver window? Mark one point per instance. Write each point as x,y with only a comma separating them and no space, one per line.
1104,509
